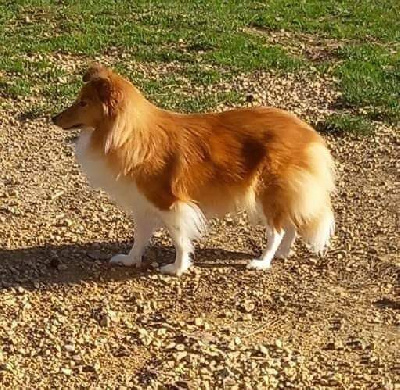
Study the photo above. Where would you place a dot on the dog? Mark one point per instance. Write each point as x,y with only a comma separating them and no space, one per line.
174,170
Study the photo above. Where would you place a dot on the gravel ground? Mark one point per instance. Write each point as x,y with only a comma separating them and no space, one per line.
70,320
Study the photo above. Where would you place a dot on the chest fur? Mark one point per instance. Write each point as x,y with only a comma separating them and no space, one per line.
101,175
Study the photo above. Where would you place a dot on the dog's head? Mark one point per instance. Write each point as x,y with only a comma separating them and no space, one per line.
96,103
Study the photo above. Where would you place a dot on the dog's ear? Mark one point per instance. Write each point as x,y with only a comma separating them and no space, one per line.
103,80
95,71
103,88
109,94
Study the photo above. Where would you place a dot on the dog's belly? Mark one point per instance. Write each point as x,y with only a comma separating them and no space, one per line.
100,175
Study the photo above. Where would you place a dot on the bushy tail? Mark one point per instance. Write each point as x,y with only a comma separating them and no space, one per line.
311,204
318,231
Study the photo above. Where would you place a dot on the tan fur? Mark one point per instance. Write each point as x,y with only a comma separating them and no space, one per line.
221,161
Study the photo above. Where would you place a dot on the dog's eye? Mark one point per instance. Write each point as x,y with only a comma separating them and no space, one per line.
82,103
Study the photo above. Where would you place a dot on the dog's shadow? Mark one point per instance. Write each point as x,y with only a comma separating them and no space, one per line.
75,263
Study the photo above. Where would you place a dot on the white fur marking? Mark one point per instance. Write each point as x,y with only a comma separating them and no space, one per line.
126,260
274,239
288,240
185,222
310,204
145,225
178,267
100,175
320,239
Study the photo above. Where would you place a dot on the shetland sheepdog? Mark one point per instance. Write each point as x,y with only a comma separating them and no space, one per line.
175,170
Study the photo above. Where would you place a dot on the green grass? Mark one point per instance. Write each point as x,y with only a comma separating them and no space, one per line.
344,123
210,40
343,19
370,78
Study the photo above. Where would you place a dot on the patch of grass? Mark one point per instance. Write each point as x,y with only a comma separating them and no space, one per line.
345,19
247,53
14,89
203,76
345,123
370,78
27,76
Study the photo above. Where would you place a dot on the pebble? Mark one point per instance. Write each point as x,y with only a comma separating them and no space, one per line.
180,355
69,347
66,371
263,349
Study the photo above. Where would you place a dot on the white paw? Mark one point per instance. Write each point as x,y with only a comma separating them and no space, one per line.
283,253
258,264
126,260
172,269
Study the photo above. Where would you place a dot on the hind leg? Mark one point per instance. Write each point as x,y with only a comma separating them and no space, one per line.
287,242
183,247
184,222
274,238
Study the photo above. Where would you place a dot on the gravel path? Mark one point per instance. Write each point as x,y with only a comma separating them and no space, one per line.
69,320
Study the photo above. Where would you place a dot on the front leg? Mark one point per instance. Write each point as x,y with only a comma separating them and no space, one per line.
185,222
144,228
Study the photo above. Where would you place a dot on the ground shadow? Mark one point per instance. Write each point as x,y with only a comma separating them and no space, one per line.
385,303
75,263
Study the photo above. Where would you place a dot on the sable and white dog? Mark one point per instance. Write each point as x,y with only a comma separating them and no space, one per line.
172,169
